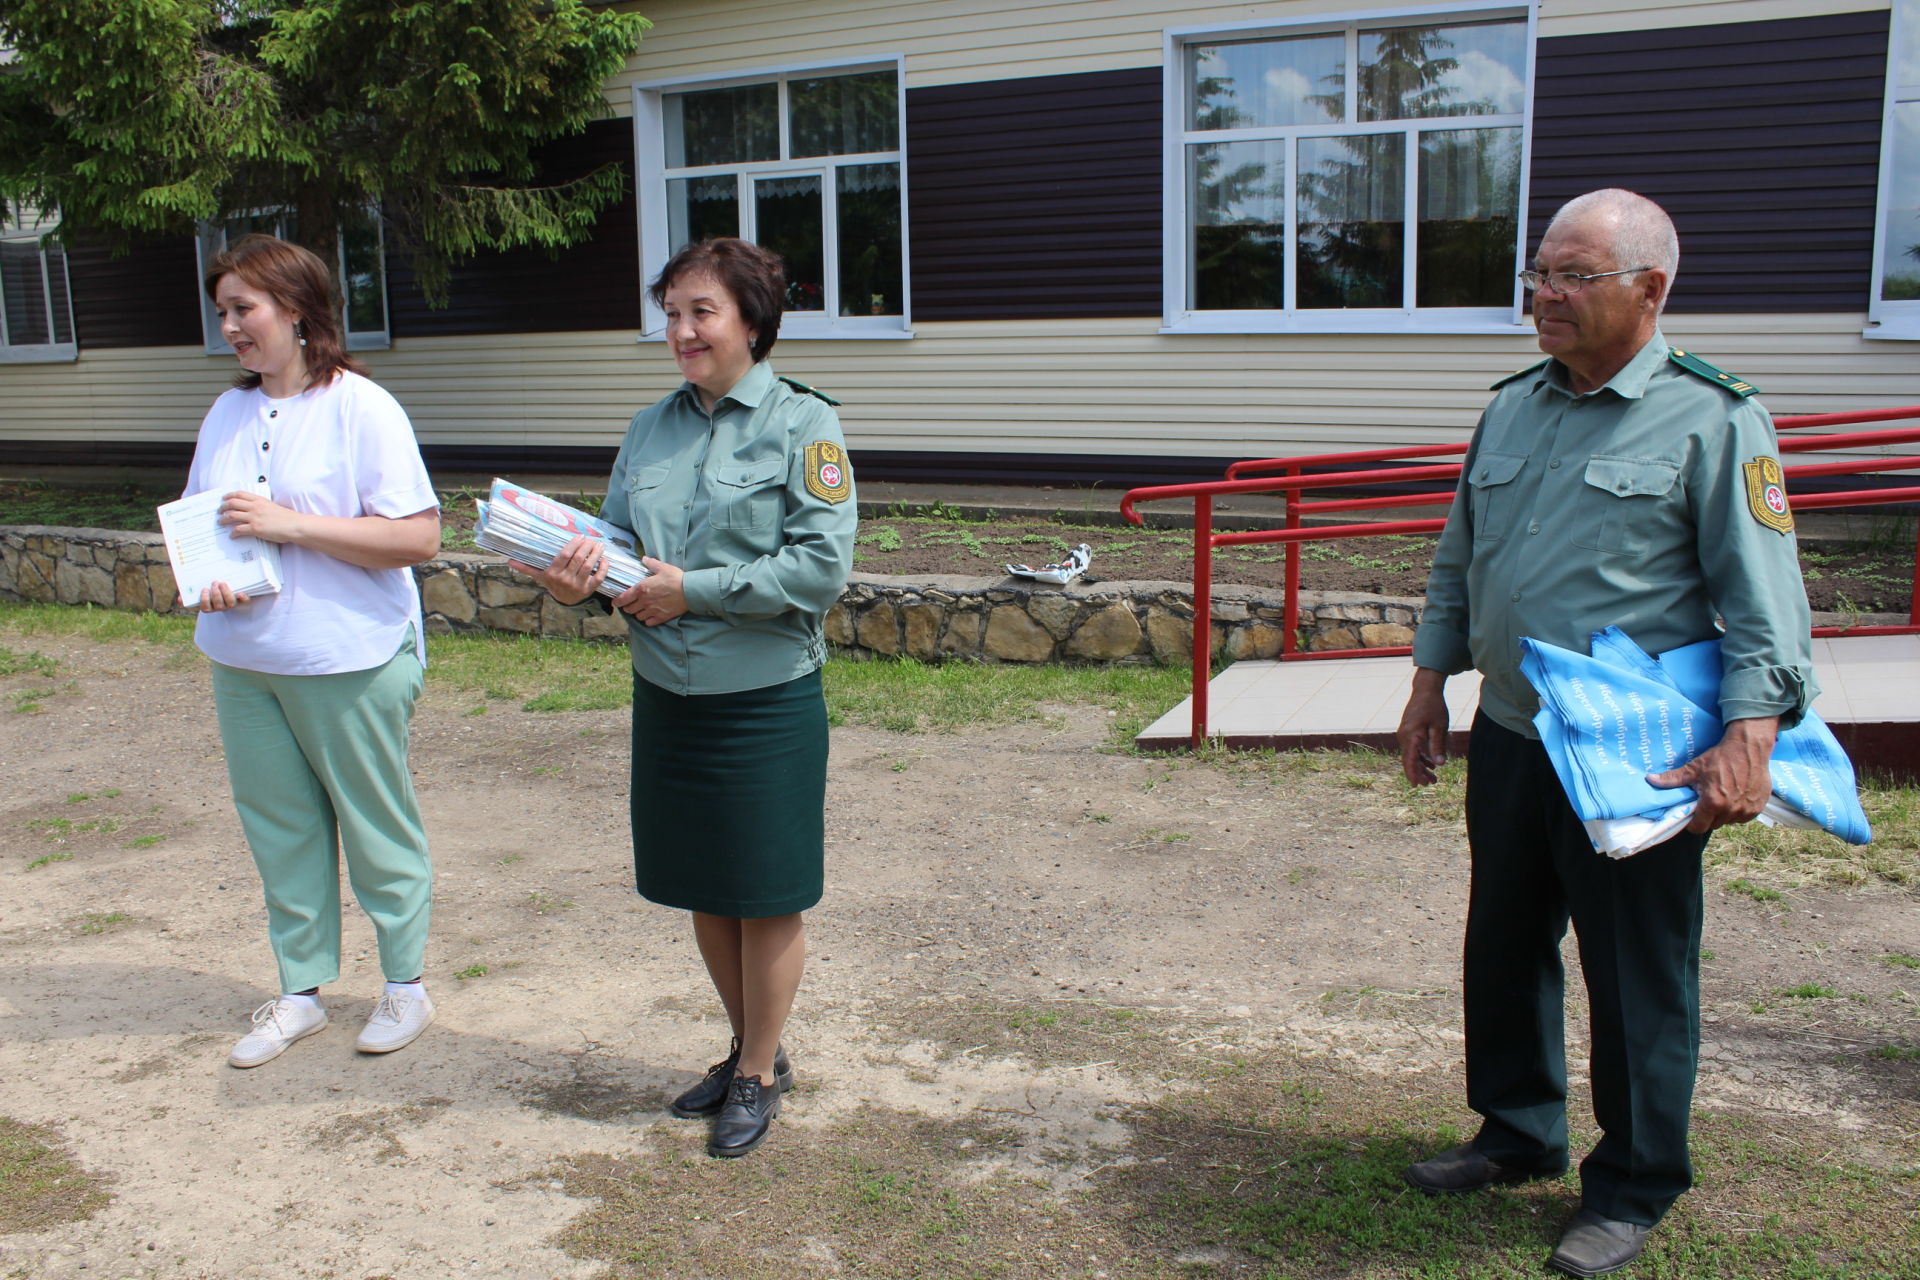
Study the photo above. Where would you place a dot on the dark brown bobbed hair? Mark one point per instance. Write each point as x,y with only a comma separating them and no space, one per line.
299,282
756,278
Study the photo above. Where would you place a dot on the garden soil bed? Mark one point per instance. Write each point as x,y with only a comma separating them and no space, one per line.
1842,576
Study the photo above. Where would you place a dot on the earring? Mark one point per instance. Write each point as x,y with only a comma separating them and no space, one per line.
300,332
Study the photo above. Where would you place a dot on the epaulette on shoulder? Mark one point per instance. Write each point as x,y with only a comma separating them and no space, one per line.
804,389
1521,374
1699,368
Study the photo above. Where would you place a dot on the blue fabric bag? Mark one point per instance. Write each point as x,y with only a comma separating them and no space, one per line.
1609,718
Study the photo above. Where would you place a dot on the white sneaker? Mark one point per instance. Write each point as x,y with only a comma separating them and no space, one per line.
276,1024
396,1022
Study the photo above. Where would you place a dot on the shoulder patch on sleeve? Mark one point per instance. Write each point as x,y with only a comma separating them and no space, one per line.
827,477
1767,493
804,389
1699,368
1521,374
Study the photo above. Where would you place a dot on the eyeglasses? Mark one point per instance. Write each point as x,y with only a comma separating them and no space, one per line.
1569,281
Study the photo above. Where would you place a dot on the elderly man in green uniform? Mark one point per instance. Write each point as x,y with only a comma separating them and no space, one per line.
1618,482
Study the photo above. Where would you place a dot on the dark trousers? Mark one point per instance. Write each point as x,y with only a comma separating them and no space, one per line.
1637,921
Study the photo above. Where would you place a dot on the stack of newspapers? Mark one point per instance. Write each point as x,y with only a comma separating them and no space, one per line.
532,528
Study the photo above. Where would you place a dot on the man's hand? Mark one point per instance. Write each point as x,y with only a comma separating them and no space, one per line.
1731,776
1423,727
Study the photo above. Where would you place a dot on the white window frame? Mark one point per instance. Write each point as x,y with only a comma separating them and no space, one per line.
1899,318
19,226
1178,317
650,162
211,241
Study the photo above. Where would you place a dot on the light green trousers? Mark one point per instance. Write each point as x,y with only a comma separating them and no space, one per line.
319,766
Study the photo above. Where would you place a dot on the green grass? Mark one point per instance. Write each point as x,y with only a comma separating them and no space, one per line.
1799,858
908,696
1758,892
1808,991
104,625
1901,960
95,922
49,860
542,674
13,664
130,508
41,1186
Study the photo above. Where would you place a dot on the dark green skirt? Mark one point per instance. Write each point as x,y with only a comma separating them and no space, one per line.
728,798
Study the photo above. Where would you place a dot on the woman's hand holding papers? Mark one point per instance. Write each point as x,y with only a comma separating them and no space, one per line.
660,598
576,572
219,597
1731,777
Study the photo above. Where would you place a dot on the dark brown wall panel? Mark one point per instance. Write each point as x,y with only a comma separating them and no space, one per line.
1036,197
593,285
148,297
1762,139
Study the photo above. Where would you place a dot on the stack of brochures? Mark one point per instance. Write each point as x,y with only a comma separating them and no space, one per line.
203,551
532,528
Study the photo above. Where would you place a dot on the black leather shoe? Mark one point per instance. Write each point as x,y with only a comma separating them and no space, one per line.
743,1122
1595,1246
1461,1169
707,1097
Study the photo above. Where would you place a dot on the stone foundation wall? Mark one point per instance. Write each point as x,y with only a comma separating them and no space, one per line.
929,618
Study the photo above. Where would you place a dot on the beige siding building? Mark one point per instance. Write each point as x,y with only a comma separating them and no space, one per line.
1121,239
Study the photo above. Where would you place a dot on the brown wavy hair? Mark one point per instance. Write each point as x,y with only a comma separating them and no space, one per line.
298,282
756,277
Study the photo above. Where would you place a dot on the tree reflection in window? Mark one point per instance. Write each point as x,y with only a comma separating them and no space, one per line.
824,192
1351,211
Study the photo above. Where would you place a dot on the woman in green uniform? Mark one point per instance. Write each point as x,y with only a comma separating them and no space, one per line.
738,488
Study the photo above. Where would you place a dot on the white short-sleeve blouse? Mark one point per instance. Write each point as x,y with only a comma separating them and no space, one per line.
345,449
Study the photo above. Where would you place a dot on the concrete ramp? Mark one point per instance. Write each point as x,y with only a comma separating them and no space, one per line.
1870,695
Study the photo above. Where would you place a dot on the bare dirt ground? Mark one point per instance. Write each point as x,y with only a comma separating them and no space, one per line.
1028,948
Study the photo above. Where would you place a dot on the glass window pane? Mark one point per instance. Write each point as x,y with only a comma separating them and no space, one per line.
1411,73
701,208
1469,206
845,115
1300,80
1352,221
867,202
723,126
789,221
24,297
279,225
363,269
1238,194
1900,260
62,304
1906,51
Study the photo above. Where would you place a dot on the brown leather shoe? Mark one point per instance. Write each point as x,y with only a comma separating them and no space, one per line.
1596,1246
1462,1169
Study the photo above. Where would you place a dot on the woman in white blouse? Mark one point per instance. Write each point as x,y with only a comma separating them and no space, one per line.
314,685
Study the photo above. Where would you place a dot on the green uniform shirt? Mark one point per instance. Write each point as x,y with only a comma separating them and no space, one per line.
1627,506
755,505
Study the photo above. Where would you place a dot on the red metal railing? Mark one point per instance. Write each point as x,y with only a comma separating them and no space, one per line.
1358,469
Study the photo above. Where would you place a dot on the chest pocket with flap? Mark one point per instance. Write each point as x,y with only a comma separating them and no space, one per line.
1622,503
747,495
1490,491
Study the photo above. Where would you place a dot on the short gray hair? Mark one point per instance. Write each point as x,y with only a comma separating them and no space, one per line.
1643,234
